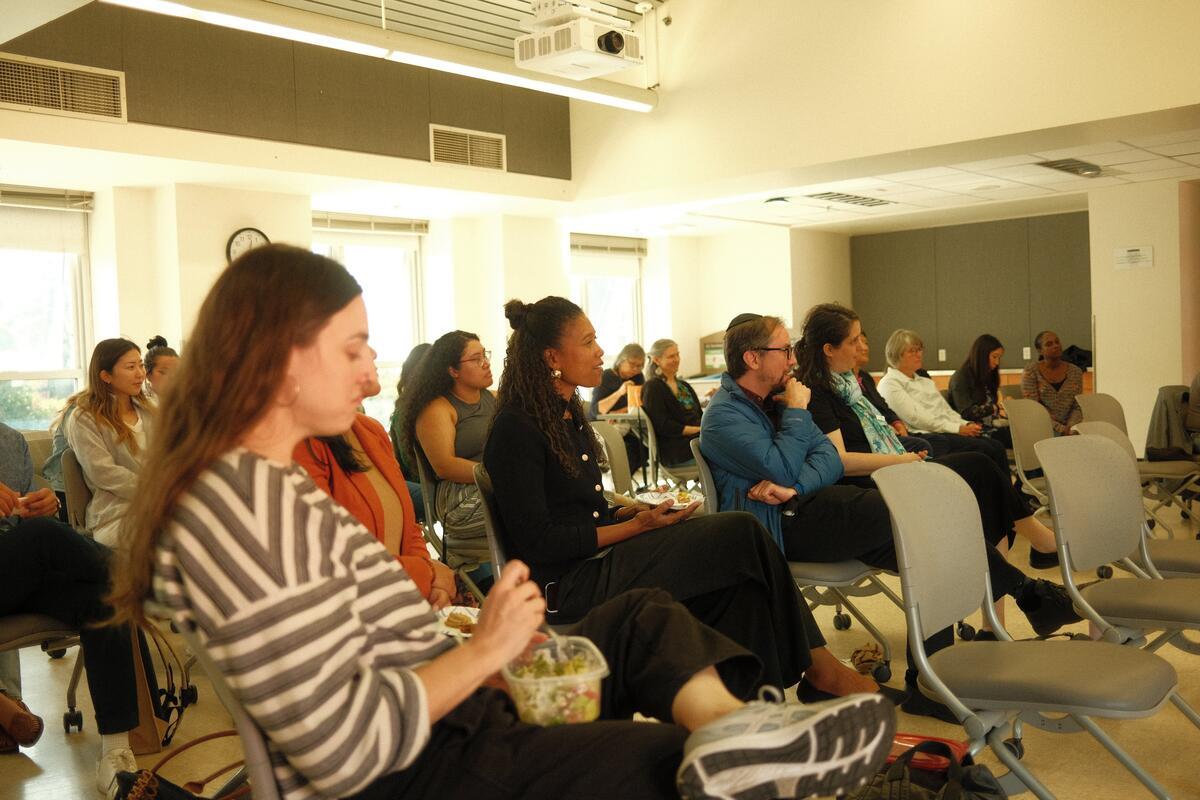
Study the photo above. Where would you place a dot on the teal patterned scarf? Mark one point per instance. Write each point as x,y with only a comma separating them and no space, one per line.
880,435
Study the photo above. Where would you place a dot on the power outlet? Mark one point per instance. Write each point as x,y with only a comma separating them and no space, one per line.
1026,354
941,354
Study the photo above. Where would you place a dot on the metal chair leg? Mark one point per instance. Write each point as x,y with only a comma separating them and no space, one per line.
1125,759
1015,768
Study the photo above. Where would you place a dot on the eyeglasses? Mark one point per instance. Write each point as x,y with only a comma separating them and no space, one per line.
483,358
784,350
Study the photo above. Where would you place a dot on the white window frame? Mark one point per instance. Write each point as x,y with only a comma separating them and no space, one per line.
587,264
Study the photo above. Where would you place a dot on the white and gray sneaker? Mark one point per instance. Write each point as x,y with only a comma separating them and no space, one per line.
119,759
772,749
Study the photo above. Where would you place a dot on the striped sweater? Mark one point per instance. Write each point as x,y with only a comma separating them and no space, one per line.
314,625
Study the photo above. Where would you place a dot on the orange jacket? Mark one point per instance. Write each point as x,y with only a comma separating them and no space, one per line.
355,493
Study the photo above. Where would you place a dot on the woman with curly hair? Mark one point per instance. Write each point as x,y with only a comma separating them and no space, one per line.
444,417
542,459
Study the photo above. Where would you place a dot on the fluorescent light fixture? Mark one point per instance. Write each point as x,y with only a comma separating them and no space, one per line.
249,25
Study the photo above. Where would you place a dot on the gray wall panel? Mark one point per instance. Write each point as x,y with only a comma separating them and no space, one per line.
465,103
364,104
90,36
982,287
1060,278
893,280
538,131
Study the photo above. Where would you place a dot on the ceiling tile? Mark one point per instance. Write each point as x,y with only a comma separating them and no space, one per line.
996,163
917,175
1014,193
913,194
1153,165
1165,138
1182,171
1028,174
1082,151
1178,149
1190,159
1122,157
1083,184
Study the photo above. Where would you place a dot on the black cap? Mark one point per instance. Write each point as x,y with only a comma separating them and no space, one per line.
741,319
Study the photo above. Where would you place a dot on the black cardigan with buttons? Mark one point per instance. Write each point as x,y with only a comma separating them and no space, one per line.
549,517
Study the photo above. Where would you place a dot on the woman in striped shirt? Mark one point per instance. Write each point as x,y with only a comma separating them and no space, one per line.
326,642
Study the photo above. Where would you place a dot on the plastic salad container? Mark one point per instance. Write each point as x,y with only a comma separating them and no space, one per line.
557,682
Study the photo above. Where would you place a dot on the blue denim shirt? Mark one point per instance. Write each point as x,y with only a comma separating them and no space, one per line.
742,447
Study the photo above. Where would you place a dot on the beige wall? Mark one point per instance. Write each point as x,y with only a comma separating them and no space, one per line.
1189,277
669,307
820,271
1137,344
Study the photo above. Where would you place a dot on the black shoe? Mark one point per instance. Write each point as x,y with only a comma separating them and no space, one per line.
919,705
811,694
1047,606
1040,560
985,636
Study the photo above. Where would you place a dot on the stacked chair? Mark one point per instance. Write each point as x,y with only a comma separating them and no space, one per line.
994,688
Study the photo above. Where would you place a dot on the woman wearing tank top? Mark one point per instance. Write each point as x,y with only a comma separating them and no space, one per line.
445,417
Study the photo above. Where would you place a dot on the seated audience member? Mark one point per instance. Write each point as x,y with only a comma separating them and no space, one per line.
866,382
357,469
447,409
361,695
975,388
917,400
541,457
672,405
108,431
1054,383
52,469
161,360
47,568
407,371
766,454
612,397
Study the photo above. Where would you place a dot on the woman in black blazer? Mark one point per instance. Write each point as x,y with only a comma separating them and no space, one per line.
672,405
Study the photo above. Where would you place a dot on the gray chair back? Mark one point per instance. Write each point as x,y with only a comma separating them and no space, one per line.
1109,431
1010,391
491,519
618,458
1102,407
40,443
1030,423
708,487
939,542
1095,498
258,765
429,500
78,493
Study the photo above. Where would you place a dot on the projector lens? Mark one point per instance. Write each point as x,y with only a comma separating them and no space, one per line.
611,42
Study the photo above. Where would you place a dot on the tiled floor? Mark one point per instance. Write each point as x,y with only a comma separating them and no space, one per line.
1074,767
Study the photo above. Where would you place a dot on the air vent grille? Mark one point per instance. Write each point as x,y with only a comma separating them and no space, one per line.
33,84
1073,166
849,199
467,148
562,39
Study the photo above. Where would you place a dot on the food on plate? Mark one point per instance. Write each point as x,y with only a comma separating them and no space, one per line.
683,497
460,622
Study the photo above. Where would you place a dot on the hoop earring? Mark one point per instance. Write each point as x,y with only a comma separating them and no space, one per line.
556,373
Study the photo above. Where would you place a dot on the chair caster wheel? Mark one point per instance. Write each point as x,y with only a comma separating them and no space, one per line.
966,632
882,672
1150,524
188,695
72,718
56,653
1016,747
1104,572
841,622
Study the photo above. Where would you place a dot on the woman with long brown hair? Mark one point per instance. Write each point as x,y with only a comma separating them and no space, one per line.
112,422
324,639
542,459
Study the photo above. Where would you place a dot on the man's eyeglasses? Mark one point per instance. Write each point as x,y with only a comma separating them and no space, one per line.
784,350
483,358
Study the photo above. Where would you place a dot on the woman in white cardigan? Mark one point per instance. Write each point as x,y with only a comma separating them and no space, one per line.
919,403
108,433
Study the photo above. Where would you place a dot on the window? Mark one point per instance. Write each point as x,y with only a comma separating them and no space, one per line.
387,266
43,264
606,281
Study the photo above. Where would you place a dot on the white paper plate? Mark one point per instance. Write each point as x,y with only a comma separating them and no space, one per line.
444,613
654,498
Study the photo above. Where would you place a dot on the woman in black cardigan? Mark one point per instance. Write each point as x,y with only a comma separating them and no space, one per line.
542,459
975,388
672,405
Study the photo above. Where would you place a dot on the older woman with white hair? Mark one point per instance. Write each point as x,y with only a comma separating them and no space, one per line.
919,403
672,405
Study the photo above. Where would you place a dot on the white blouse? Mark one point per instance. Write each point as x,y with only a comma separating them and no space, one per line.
918,402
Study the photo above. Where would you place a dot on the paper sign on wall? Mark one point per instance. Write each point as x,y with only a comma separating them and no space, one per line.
1134,257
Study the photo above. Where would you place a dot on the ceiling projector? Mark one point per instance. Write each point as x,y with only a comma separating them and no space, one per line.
574,40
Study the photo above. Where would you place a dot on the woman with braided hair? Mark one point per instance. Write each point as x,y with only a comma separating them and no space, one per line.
542,459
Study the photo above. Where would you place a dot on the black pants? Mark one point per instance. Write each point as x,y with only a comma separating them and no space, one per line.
635,451
726,570
48,568
653,646
946,443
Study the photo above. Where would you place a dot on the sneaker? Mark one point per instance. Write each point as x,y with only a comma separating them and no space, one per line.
119,759
770,748
1047,606
1040,560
